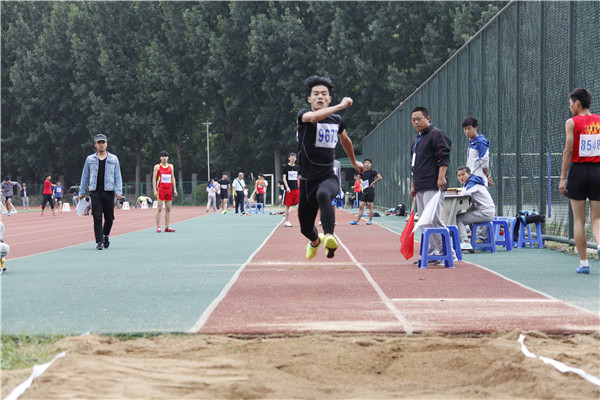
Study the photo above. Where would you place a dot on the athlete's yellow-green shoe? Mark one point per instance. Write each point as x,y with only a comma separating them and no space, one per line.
311,251
331,246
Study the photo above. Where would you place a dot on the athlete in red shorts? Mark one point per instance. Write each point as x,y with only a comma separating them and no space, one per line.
164,175
291,194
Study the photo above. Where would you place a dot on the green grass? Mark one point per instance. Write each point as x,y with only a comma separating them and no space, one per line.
24,351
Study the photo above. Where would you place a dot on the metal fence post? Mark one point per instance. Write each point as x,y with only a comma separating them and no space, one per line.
518,119
500,182
542,109
571,84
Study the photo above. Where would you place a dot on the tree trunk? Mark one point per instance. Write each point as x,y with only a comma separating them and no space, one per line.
180,172
277,158
138,166
49,155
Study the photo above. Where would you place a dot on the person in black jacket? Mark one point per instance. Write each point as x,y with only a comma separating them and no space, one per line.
430,151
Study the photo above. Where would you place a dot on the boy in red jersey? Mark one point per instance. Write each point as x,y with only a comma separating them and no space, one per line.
581,158
164,174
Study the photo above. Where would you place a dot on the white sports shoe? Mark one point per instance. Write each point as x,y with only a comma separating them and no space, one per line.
288,223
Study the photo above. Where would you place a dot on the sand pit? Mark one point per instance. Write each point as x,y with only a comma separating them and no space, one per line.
316,366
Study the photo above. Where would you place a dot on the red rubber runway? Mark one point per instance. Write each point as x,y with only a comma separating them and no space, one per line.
369,286
29,233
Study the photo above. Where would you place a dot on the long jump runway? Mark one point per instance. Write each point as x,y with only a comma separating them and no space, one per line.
248,275
369,286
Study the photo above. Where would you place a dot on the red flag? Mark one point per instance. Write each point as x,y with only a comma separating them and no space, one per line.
407,239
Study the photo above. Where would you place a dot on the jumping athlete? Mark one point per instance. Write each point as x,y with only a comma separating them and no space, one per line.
164,174
318,132
581,159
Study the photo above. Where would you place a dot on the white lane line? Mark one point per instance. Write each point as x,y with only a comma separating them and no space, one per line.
386,300
215,303
458,300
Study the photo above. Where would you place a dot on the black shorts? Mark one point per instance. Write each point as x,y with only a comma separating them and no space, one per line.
583,181
224,194
7,197
368,196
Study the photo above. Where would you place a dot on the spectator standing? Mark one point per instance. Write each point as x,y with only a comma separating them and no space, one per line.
291,194
211,189
58,195
369,178
224,188
7,191
580,172
164,176
430,151
478,153
261,189
102,176
47,194
25,196
239,185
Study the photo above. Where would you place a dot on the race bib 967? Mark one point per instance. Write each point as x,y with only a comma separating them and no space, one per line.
165,178
327,135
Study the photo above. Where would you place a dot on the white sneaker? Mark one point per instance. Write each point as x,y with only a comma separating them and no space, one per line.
466,246
288,224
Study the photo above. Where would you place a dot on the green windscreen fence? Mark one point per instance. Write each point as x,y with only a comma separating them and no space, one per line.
514,76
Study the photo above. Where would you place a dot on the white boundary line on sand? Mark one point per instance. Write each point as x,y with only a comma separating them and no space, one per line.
215,303
389,303
558,365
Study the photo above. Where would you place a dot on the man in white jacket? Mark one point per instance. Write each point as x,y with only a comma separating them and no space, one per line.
482,207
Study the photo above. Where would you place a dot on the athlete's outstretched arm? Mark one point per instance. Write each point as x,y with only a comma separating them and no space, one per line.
349,149
318,115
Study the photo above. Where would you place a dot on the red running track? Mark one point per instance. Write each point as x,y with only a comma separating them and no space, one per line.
29,233
369,286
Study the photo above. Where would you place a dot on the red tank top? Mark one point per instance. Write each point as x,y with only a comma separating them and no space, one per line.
164,176
47,187
586,145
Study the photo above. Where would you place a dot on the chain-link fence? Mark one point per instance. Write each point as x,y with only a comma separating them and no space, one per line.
514,76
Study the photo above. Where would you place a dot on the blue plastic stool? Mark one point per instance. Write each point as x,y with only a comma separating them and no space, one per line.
424,257
490,242
254,206
455,241
529,240
507,238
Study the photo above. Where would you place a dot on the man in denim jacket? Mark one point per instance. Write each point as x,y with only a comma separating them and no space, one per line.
103,174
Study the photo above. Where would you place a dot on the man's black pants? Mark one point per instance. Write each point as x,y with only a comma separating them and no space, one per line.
102,203
317,195
239,201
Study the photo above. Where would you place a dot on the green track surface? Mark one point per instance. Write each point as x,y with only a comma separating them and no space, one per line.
145,281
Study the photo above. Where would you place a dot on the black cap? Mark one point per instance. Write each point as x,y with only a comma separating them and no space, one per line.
99,137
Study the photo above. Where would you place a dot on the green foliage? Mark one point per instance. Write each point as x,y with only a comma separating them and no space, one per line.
201,193
148,74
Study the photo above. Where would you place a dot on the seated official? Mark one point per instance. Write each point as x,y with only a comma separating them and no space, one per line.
482,207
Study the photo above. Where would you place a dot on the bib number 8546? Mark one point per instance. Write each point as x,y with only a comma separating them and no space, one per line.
589,145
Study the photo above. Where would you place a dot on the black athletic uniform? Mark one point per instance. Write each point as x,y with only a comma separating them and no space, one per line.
318,183
368,177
